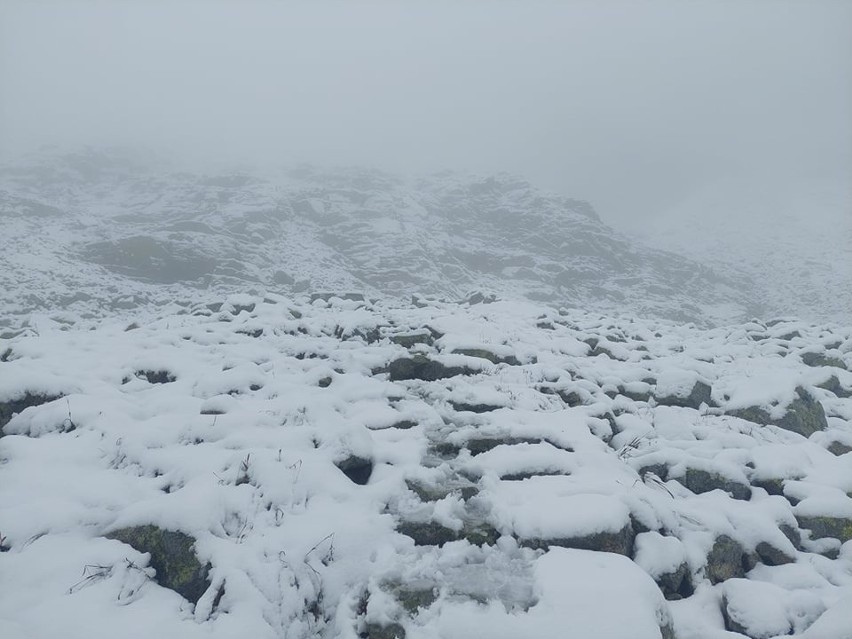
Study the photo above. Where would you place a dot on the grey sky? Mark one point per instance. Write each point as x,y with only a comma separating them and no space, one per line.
628,104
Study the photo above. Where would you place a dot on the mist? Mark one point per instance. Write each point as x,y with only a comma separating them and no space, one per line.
632,106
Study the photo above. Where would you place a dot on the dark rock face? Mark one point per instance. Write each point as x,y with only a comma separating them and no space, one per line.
703,481
727,559
358,469
172,556
837,527
700,394
12,407
620,542
423,368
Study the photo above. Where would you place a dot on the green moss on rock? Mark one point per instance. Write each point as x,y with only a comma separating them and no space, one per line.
825,526
172,557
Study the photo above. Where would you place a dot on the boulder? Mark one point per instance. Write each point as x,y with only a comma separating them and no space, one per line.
172,557
727,559
804,415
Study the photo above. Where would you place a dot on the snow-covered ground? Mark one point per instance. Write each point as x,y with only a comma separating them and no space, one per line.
348,468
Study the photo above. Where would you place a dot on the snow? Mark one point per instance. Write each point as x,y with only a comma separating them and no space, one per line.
243,452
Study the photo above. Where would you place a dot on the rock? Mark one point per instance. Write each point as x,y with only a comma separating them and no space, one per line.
619,542
9,409
156,377
821,359
727,559
172,557
772,556
772,485
413,599
833,385
699,394
357,469
703,481
839,448
481,353
479,445
427,533
423,368
804,415
325,382
407,340
677,584
462,407
825,526
390,631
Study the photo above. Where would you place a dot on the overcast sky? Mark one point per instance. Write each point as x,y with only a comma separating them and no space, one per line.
631,105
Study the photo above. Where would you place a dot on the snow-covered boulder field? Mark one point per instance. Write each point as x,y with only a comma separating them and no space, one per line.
275,467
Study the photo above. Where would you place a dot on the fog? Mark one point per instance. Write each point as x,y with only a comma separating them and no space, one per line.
632,106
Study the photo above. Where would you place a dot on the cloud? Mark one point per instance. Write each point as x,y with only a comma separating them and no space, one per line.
631,105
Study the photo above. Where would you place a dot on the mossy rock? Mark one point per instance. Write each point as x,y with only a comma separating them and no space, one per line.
824,526
423,368
821,359
727,559
481,353
772,485
172,557
412,598
619,542
805,415
12,407
702,481
699,394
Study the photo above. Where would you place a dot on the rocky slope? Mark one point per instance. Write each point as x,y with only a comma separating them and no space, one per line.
93,231
282,468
